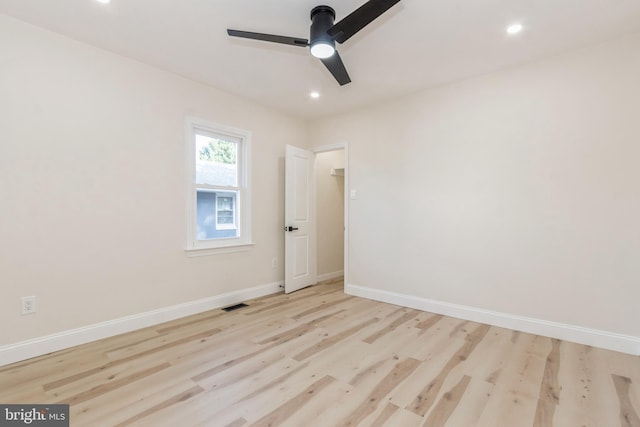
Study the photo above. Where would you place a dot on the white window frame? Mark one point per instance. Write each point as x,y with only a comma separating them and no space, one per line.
242,215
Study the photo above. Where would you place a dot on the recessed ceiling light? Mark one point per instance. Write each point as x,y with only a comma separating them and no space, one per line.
104,1
514,28
314,94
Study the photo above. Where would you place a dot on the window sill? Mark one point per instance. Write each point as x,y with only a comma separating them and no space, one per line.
240,247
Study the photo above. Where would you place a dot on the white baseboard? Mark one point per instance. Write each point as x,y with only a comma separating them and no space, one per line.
592,337
42,345
329,276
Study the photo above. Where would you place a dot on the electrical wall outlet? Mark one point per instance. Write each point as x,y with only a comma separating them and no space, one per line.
29,305
274,263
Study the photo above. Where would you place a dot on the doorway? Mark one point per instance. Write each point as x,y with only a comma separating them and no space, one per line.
305,171
330,213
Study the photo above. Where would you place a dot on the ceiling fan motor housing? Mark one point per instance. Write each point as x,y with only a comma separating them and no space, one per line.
322,18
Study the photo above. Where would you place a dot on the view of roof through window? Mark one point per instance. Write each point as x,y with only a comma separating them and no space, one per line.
216,161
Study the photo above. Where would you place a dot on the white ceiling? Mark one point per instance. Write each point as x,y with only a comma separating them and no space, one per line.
415,45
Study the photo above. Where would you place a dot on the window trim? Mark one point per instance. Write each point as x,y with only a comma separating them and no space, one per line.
242,216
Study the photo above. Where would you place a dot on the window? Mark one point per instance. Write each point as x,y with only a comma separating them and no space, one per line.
225,211
219,197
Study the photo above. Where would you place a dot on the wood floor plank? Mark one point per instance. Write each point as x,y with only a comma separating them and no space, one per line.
424,344
253,404
439,355
328,409
104,388
110,375
400,372
515,397
406,316
327,342
359,310
297,331
246,357
320,358
472,404
53,366
181,397
130,401
353,363
427,397
447,404
283,375
389,410
227,343
249,397
628,415
228,364
24,394
427,323
289,408
549,396
123,360
488,360
231,375
406,418
323,306
587,395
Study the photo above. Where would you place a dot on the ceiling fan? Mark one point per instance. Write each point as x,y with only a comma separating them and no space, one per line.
324,33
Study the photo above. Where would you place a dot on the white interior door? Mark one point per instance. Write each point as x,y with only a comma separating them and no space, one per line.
300,222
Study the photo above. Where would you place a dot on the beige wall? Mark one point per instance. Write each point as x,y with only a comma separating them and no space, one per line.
330,213
92,178
516,192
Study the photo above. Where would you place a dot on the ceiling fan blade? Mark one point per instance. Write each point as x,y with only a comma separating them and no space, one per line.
359,18
336,67
292,41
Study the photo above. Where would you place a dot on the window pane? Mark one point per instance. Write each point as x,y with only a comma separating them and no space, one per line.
226,207
216,215
216,161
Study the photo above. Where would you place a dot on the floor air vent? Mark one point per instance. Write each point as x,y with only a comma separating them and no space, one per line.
235,307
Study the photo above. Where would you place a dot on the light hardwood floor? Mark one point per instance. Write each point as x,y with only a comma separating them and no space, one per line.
319,357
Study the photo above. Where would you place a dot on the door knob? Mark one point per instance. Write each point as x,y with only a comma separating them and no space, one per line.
290,228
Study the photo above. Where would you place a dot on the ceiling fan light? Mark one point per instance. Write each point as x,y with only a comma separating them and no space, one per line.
322,50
